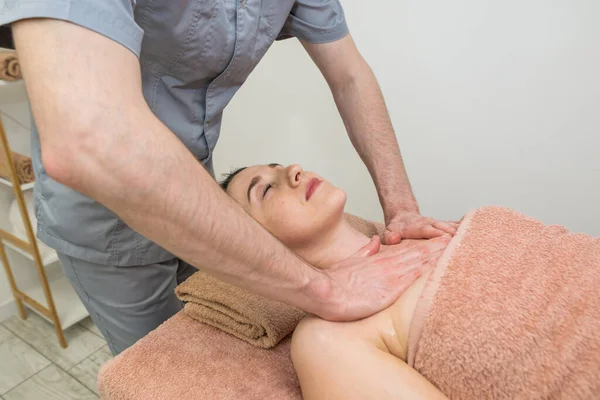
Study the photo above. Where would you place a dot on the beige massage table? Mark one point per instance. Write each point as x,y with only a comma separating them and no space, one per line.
186,359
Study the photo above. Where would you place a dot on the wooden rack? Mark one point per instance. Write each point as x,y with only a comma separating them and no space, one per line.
62,308
31,247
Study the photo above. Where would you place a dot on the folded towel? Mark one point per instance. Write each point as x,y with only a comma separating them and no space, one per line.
259,321
22,166
10,70
250,317
511,311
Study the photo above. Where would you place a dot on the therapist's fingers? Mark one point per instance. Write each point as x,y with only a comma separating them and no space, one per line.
445,227
423,232
390,238
417,255
370,248
453,224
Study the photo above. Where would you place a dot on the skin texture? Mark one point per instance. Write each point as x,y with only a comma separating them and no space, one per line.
97,133
352,360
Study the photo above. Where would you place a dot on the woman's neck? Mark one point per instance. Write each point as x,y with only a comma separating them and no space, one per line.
338,244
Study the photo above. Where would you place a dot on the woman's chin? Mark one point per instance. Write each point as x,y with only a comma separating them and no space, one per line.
333,212
330,207
336,198
299,229
338,201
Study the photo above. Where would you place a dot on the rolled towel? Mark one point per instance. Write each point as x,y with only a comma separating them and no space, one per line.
22,165
255,319
10,69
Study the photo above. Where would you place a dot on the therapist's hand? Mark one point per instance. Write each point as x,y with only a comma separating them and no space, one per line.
412,225
372,280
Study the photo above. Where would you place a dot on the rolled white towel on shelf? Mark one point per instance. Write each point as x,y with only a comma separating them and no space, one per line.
18,226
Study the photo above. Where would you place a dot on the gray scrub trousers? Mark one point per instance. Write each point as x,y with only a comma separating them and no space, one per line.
194,55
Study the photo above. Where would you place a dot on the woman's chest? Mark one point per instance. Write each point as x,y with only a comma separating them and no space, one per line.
401,314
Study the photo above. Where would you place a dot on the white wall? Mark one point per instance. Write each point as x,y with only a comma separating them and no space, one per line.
493,102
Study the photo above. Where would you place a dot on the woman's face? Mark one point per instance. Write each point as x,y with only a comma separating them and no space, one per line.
296,206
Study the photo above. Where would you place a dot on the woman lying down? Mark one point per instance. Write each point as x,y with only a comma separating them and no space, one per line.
511,308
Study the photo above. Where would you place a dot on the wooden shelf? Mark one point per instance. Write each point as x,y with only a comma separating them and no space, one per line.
47,260
68,306
9,86
9,83
24,187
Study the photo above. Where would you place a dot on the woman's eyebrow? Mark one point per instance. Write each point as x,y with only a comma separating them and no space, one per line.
257,178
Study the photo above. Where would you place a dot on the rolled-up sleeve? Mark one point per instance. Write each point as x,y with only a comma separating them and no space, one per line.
315,21
111,18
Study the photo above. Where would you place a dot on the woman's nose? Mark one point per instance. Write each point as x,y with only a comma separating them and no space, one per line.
294,175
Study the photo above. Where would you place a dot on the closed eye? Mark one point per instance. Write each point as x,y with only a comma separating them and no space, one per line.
267,189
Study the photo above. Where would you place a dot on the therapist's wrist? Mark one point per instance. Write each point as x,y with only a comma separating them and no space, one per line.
318,296
391,210
397,200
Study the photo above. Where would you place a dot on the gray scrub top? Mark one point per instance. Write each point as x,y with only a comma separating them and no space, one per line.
194,56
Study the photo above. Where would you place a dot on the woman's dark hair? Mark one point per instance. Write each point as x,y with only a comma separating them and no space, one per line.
227,178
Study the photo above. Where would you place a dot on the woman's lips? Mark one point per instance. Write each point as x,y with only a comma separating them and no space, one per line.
311,186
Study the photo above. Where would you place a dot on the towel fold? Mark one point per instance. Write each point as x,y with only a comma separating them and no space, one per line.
10,69
22,165
257,320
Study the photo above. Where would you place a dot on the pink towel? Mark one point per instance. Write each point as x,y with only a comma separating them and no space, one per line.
512,311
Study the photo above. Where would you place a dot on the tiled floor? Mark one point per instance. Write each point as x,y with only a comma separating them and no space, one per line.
34,366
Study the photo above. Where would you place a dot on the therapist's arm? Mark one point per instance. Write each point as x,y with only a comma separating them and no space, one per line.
99,137
363,110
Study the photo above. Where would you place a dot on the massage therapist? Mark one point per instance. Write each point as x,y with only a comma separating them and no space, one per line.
127,98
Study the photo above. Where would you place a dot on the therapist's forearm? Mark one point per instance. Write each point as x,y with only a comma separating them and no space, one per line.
363,110
149,179
99,137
